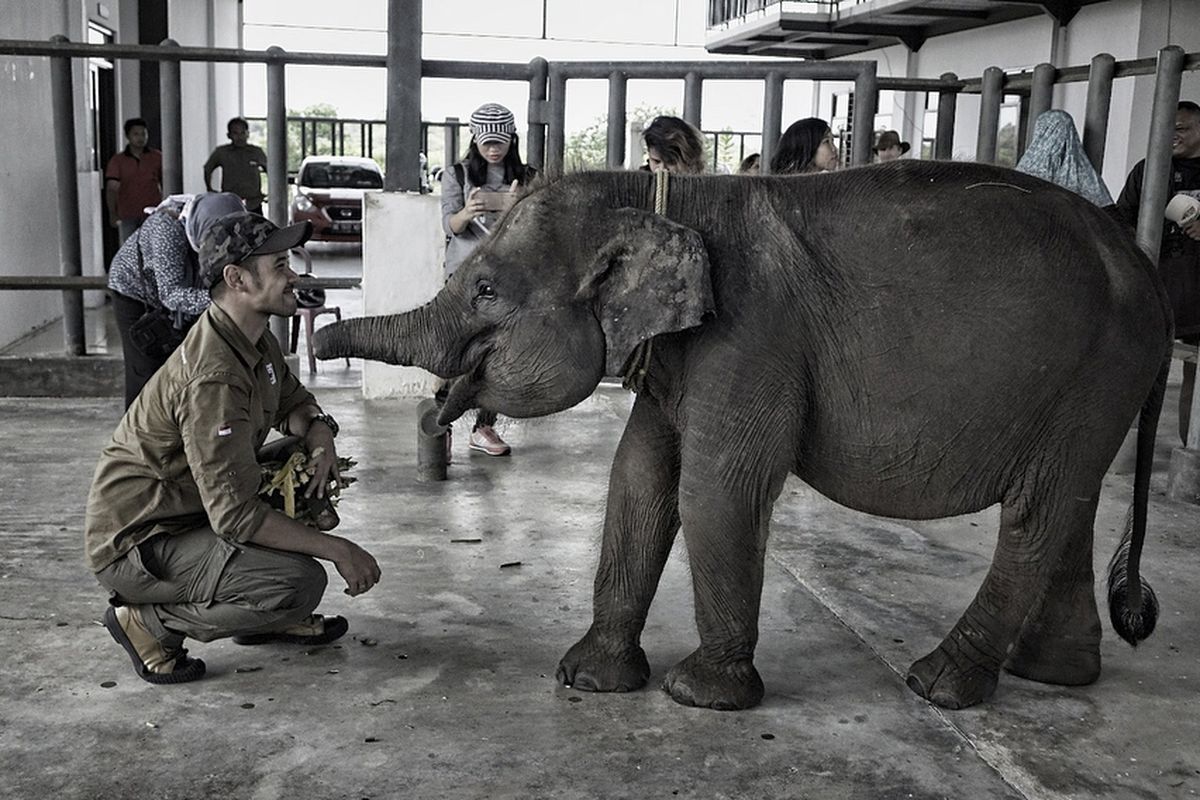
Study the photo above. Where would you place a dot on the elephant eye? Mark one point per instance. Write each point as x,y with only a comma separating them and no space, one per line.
484,291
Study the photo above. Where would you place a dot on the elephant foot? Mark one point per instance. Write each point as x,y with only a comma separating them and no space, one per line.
1064,661
726,687
590,666
942,680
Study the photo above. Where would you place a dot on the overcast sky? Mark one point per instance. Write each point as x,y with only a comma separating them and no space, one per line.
501,30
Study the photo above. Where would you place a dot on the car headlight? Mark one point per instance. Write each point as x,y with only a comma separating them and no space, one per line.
303,203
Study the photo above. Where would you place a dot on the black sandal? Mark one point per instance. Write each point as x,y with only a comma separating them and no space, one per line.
334,628
186,669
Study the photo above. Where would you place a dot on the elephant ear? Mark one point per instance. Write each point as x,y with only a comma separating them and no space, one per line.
650,276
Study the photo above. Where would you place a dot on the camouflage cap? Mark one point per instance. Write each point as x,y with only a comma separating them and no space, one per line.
233,238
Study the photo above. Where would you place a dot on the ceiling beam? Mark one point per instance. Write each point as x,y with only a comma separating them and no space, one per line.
1062,10
942,13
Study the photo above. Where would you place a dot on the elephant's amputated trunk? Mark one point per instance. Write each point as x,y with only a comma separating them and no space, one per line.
410,339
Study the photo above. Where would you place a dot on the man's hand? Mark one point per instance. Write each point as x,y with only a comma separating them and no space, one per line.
354,564
1192,229
358,568
320,436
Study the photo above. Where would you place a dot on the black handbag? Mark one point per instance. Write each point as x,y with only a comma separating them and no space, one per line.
159,330
155,334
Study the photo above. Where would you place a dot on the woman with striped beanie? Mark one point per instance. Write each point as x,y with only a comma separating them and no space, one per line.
475,192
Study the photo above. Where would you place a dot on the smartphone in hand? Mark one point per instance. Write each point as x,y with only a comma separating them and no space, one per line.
494,200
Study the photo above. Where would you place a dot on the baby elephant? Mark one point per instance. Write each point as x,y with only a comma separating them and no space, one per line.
913,340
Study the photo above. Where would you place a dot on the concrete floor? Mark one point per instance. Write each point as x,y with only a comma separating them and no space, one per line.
444,687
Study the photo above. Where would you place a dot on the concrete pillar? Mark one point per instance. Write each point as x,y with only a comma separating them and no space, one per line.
403,97
943,145
171,108
1099,100
535,145
693,94
70,252
866,101
772,127
403,251
990,100
617,91
277,193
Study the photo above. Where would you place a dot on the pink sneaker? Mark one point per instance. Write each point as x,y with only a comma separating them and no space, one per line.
486,440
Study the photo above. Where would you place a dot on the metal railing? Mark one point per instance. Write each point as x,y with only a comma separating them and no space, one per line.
547,111
722,11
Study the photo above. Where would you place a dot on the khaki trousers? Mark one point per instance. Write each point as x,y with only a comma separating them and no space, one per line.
199,585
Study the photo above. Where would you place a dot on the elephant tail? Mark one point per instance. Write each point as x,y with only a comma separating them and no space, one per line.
1132,605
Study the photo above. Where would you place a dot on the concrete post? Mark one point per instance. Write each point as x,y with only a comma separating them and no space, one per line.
171,105
277,193
866,101
556,142
617,85
693,98
1041,98
70,252
535,147
403,97
1099,100
989,115
450,142
943,145
772,119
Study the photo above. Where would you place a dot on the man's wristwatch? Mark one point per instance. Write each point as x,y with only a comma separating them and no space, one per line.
329,421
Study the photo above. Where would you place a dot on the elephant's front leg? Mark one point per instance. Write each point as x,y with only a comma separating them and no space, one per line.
725,513
639,527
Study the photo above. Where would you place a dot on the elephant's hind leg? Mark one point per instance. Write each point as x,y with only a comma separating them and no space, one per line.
1038,529
1060,640
640,524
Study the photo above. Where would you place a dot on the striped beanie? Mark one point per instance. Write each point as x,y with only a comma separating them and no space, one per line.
492,122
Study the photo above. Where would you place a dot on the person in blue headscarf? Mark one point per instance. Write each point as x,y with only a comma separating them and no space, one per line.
1055,154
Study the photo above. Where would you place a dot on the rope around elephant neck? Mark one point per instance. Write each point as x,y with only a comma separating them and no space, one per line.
639,361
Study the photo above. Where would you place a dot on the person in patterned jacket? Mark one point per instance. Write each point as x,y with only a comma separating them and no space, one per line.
155,272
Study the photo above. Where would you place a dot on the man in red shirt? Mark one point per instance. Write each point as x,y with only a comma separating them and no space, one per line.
132,179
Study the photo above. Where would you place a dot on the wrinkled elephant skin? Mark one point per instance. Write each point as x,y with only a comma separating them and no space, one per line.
914,340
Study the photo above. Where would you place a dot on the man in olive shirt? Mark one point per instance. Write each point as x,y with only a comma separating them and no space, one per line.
176,529
241,165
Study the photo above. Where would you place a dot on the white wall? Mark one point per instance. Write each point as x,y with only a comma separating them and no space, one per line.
29,197
210,93
403,251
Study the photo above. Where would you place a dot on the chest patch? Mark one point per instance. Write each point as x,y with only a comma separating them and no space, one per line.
271,373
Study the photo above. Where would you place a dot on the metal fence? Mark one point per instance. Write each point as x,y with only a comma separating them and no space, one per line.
404,132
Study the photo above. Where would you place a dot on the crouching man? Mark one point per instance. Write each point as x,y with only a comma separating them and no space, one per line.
176,529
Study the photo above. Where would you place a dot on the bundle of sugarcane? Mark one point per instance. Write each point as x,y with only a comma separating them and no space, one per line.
284,482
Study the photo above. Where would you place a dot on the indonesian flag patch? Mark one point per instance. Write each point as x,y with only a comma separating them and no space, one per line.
225,429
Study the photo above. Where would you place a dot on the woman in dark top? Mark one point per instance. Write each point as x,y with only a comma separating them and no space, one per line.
806,147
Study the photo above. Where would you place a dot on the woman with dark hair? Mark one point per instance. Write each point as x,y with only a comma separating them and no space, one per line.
673,145
805,147
476,191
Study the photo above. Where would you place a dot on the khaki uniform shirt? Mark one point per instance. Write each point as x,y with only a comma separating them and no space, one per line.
184,453
241,170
